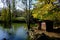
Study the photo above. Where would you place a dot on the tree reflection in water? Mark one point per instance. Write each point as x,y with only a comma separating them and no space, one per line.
20,34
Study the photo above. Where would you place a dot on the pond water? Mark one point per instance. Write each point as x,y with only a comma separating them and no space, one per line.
17,32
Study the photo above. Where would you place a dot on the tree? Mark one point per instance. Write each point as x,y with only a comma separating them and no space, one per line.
27,4
47,10
6,15
13,8
43,9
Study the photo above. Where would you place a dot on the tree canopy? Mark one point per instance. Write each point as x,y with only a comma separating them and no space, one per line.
46,10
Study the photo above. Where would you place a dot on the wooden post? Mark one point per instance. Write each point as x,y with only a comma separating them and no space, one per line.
39,25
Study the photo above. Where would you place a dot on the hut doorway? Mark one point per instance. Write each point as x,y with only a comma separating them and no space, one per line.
43,26
46,25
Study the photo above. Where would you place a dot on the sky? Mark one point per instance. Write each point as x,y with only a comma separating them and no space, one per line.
1,4
19,4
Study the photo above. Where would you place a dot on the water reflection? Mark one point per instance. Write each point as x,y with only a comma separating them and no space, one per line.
3,34
20,34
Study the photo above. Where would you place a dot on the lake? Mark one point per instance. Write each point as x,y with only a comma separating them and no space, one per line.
17,32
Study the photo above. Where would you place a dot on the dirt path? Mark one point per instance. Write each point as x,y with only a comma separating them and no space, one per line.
50,34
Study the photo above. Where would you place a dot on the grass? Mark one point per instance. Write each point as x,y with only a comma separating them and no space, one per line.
19,18
33,25
17,25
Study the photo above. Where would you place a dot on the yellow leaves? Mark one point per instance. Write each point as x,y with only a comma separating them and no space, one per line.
58,15
52,0
47,1
5,14
47,7
45,11
41,17
41,11
35,15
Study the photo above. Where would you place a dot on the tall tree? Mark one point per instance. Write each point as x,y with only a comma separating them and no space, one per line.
27,4
13,8
6,15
